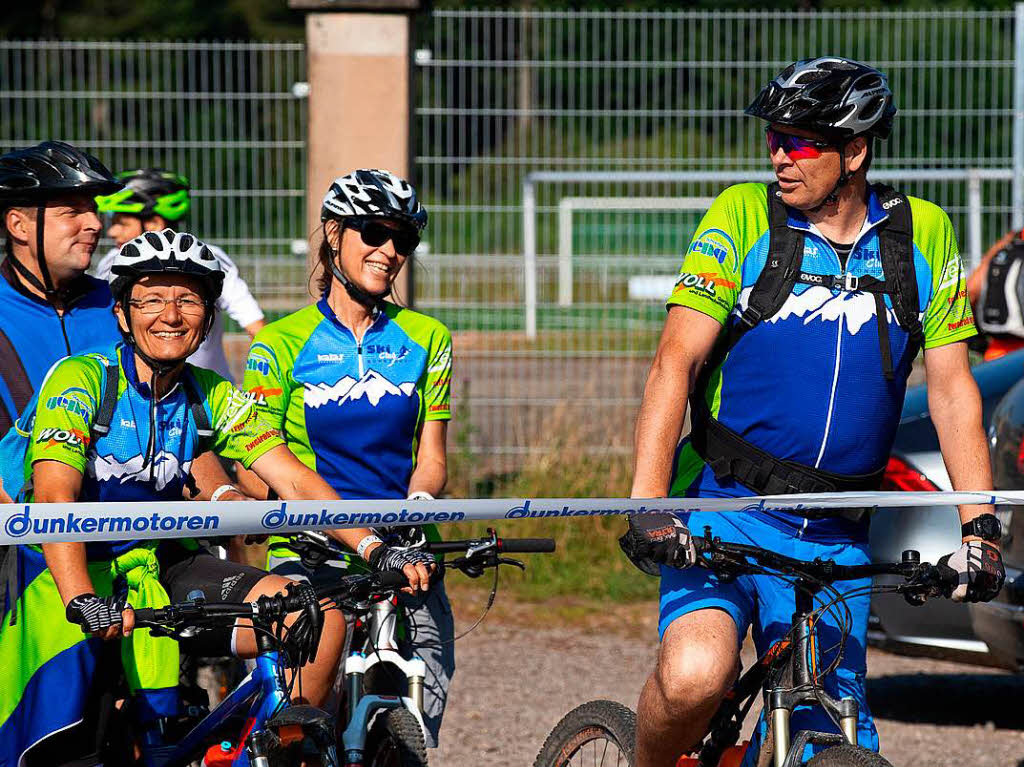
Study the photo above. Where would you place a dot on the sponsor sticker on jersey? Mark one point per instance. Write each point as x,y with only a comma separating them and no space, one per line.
75,400
718,245
71,437
330,357
261,359
705,284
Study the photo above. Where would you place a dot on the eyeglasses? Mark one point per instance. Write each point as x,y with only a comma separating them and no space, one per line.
190,305
795,147
375,234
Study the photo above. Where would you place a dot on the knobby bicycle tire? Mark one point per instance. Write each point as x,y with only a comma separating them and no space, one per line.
848,756
395,740
602,726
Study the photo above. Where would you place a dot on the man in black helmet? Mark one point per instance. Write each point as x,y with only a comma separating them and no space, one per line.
793,327
49,307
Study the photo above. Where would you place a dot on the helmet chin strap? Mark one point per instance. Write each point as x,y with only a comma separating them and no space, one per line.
371,301
844,178
45,286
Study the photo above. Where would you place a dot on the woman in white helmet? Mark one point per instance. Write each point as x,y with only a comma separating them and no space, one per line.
360,386
165,413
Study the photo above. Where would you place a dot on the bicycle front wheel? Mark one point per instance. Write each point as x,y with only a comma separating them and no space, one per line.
600,733
395,740
848,756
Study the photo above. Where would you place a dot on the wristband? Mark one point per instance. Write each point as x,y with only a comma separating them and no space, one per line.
215,496
366,543
420,495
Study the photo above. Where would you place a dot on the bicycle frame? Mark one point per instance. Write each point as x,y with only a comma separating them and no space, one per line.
261,695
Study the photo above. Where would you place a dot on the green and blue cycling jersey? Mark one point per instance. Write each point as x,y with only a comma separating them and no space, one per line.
806,385
40,652
352,410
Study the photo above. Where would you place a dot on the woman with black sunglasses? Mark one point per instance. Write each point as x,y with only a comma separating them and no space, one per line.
360,389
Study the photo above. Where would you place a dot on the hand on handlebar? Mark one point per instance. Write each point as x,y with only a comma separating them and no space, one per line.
980,571
658,539
416,564
103,617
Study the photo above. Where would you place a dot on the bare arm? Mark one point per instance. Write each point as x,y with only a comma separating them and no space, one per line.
56,482
255,327
431,472
955,406
208,474
293,480
686,341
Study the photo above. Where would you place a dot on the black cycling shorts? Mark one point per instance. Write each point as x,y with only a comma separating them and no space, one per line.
184,572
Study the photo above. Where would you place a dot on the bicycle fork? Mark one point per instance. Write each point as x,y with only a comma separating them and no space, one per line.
805,689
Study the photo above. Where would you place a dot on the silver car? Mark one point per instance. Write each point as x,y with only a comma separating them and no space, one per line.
992,633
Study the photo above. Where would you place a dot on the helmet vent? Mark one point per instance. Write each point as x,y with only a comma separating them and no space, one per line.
154,240
130,251
185,243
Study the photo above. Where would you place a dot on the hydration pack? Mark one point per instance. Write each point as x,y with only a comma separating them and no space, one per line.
728,454
1002,294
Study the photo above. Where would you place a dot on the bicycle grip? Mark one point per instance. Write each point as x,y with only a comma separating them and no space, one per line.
144,614
390,579
526,545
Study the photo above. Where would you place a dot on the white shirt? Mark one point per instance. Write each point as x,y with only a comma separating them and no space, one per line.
235,299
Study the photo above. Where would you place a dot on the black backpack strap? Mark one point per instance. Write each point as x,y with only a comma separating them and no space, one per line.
896,243
111,376
767,295
197,407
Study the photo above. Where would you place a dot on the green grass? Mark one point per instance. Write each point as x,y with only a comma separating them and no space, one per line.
587,563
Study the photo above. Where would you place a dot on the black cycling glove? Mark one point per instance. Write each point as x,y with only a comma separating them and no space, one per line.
395,558
95,613
657,539
979,566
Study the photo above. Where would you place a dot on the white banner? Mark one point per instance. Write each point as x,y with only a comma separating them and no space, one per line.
56,522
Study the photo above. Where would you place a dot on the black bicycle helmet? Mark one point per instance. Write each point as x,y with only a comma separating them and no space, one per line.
53,168
835,97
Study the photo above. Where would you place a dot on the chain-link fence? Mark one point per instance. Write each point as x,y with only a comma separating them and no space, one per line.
229,116
502,95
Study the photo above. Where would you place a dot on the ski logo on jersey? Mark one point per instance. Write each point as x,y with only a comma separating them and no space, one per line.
75,400
384,353
166,469
718,245
373,386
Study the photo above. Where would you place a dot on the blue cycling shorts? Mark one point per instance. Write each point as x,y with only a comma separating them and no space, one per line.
765,604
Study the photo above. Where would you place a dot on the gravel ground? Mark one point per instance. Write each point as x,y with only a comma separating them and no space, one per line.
518,674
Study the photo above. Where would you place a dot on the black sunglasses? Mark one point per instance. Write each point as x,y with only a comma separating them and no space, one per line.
375,234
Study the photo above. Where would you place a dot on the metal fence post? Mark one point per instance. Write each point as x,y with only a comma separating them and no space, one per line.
1018,116
530,255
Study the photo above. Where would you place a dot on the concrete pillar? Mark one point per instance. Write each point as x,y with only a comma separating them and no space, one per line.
359,100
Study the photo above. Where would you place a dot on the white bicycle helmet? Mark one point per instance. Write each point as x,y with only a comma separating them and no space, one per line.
378,193
166,252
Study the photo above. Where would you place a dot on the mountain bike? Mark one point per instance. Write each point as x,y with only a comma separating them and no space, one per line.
256,725
380,669
790,674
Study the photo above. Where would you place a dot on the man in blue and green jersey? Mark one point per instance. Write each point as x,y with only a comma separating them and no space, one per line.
793,327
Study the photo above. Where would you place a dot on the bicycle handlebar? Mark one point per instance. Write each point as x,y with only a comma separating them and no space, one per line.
920,577
502,545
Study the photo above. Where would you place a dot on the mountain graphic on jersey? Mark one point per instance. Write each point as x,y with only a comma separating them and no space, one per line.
818,303
166,469
373,386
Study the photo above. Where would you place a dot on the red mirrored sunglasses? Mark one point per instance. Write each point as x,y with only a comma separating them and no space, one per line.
795,147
